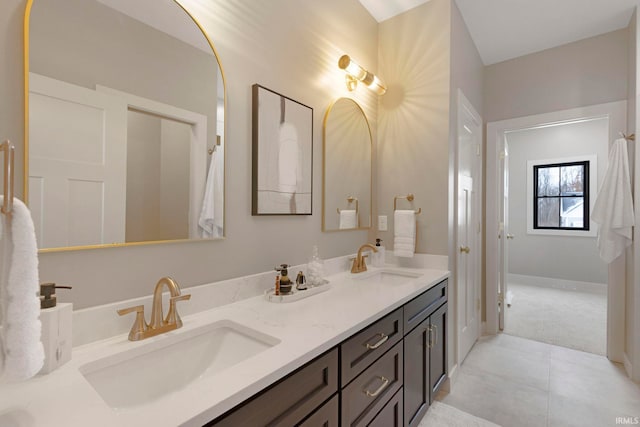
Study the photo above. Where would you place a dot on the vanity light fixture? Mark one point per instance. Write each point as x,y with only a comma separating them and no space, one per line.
356,73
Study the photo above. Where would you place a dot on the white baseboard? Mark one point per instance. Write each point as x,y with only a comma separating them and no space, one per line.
548,282
484,329
627,365
451,379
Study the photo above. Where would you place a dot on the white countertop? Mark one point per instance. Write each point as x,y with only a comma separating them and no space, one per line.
305,328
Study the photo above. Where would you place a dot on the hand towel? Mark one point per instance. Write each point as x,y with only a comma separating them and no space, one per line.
21,346
348,219
404,224
210,220
613,209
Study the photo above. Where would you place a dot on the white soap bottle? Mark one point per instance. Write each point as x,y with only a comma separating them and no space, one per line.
379,257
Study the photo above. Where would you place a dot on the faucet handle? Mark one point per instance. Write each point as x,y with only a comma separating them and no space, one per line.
139,325
172,314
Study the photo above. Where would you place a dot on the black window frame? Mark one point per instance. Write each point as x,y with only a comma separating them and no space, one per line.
585,196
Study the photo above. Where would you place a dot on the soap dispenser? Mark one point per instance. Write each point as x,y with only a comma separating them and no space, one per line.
56,328
285,283
379,257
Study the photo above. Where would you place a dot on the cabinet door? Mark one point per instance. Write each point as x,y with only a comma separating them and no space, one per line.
391,414
416,374
438,362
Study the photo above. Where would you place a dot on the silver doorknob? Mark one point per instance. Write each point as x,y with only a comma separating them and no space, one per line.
465,249
510,236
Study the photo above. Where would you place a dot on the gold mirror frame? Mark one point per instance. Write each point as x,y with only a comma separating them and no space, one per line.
324,167
25,197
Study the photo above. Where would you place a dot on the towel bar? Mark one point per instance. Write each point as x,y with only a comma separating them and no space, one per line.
9,150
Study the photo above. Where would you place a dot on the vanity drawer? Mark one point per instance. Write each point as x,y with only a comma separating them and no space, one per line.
419,308
372,389
362,349
288,402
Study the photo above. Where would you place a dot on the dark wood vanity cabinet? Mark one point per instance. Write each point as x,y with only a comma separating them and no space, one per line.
425,351
297,400
389,373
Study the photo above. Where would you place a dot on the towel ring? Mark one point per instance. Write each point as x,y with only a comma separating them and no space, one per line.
409,197
350,200
9,151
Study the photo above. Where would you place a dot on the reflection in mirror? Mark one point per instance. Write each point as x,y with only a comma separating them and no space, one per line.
126,124
347,167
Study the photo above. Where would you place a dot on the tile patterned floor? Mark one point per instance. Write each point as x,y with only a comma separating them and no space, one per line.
516,382
571,319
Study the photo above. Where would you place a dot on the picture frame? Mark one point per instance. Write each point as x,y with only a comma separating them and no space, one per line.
282,154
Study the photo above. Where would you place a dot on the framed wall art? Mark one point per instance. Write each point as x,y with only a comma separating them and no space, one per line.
282,160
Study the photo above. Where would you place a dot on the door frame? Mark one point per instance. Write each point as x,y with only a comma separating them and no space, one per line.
616,113
465,104
198,155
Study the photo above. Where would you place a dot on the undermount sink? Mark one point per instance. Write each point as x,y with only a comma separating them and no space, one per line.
171,362
389,276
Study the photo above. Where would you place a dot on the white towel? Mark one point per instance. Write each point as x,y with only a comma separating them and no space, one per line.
613,209
22,349
211,220
348,219
404,225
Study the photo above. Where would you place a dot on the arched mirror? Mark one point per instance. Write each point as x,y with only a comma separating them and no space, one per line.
125,119
347,167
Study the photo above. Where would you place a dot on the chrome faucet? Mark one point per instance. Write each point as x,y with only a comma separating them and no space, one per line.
158,324
359,264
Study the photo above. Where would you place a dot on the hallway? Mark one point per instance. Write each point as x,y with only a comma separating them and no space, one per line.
573,319
516,382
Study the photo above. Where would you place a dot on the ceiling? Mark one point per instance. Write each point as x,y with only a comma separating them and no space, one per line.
505,29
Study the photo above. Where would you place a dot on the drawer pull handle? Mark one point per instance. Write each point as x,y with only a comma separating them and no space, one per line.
385,384
383,339
435,335
429,340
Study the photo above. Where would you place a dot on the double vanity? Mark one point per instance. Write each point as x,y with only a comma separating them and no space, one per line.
371,350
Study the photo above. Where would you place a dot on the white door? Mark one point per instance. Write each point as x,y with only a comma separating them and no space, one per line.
503,234
468,255
77,164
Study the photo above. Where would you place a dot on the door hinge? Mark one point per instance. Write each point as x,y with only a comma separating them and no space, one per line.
502,155
477,149
500,297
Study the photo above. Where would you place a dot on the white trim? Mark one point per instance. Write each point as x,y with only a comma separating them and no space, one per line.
616,112
550,282
627,365
593,190
452,378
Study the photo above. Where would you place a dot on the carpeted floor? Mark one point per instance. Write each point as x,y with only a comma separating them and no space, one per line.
566,318
443,415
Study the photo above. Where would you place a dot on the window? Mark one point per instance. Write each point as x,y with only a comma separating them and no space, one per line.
561,196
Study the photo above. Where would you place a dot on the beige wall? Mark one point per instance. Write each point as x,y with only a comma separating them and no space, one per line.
299,60
143,177
86,43
413,129
586,72
467,72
